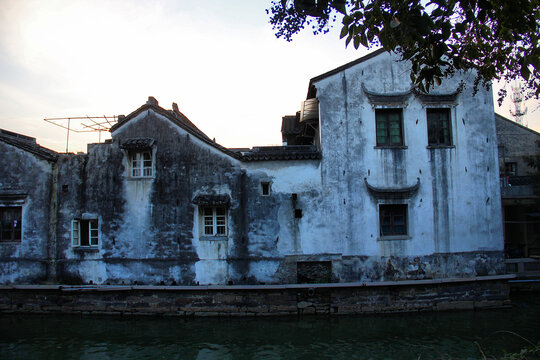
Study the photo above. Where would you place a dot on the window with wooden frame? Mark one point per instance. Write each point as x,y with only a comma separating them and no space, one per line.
393,219
213,220
140,163
389,127
85,233
439,129
10,223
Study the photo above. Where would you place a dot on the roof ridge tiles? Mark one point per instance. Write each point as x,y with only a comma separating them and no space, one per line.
28,144
179,119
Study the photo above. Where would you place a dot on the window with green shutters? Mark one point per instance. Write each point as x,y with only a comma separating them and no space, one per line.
389,127
393,219
438,124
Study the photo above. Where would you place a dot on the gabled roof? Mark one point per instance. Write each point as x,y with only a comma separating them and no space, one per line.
500,117
177,118
311,87
27,143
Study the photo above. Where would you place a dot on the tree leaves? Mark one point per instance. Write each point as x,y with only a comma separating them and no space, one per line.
496,38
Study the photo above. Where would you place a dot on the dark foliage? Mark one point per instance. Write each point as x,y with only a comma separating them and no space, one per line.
497,38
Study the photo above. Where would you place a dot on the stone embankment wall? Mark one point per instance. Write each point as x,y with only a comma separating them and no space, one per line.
260,300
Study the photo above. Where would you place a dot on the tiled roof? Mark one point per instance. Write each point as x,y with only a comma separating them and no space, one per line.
291,152
28,144
177,118
291,125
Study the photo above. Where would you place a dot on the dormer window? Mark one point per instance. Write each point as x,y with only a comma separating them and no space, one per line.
140,164
139,153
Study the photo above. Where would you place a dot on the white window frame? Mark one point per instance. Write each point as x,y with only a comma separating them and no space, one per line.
213,221
93,232
139,166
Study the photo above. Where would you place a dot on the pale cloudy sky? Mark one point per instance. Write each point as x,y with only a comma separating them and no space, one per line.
219,60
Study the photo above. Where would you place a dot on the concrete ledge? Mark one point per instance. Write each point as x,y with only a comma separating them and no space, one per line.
257,287
260,300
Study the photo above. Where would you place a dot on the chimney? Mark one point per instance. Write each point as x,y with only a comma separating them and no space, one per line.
152,101
175,107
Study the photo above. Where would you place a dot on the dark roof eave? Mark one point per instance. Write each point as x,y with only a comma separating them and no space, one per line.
35,149
281,157
337,70
393,193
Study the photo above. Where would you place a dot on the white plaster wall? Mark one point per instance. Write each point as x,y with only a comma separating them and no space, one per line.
212,266
457,207
295,236
288,176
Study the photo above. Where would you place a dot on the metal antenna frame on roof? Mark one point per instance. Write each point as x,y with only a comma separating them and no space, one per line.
95,124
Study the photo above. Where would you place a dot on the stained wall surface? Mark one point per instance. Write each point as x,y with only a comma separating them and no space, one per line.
516,142
26,183
456,209
287,219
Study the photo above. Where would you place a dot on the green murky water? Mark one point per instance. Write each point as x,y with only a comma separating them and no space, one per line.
449,335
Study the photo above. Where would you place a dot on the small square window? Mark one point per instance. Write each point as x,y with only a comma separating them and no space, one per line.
265,188
140,163
438,124
389,127
10,224
85,233
393,219
298,213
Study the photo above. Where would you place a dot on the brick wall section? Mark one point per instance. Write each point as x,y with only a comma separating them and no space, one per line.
269,300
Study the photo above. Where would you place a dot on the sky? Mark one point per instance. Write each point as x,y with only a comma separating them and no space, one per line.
218,60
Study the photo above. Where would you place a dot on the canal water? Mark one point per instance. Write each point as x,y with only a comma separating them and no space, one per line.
445,335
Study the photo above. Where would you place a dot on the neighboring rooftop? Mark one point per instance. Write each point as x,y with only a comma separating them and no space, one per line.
27,143
500,117
290,152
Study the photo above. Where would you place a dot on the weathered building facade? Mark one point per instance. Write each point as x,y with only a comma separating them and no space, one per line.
376,182
519,189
